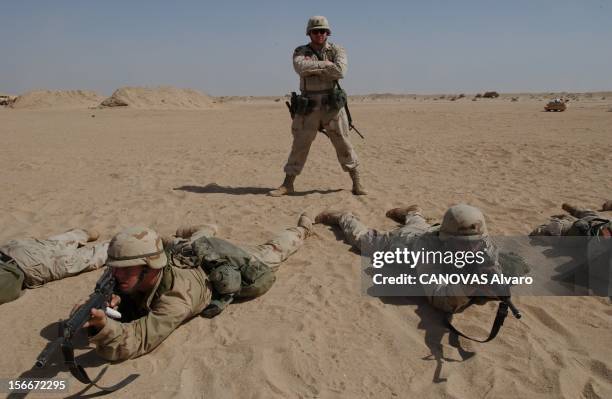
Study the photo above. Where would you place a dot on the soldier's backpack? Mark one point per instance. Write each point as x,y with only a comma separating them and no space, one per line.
233,272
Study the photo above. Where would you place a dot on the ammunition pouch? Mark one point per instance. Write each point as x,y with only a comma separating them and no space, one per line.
301,105
337,99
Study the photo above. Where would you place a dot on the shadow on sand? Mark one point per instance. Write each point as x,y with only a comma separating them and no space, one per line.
214,188
56,365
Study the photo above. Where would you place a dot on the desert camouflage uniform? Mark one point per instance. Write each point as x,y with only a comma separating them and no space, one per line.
182,292
35,262
415,234
580,223
587,223
316,81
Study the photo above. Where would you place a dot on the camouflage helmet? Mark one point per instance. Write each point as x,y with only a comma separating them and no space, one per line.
136,246
464,222
317,22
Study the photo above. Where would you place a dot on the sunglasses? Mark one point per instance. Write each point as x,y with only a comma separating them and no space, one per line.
319,31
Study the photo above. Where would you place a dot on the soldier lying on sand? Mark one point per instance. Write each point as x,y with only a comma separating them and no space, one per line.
162,283
579,222
463,228
30,262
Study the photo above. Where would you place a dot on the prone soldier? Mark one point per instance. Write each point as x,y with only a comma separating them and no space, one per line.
160,283
579,222
31,262
463,228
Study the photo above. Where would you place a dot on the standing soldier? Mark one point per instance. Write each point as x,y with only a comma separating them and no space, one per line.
320,65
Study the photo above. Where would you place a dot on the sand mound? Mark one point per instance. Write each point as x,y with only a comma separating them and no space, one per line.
57,99
158,98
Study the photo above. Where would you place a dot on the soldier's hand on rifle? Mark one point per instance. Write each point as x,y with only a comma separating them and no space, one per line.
97,320
115,301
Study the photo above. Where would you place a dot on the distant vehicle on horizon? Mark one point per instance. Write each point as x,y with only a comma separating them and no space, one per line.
556,105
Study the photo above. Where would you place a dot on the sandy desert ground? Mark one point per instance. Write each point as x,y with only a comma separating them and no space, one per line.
315,335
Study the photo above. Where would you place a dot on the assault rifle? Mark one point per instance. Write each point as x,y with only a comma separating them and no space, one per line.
348,115
68,328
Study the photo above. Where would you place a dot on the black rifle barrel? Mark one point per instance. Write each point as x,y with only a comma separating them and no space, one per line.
52,347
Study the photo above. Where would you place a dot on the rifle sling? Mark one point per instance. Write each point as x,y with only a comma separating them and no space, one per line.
502,313
80,374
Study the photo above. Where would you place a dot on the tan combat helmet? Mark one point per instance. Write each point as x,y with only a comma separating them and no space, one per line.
464,222
136,246
317,22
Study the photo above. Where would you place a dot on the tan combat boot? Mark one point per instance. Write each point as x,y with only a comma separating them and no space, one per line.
305,221
399,214
357,187
329,218
92,235
607,206
186,231
286,188
571,209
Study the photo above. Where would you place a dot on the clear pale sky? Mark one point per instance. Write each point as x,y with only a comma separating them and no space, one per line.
245,47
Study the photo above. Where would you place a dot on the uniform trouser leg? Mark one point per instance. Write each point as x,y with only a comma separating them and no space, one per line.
337,129
556,226
84,258
94,257
49,260
11,281
280,247
583,213
417,221
360,237
205,230
368,240
304,130
71,237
